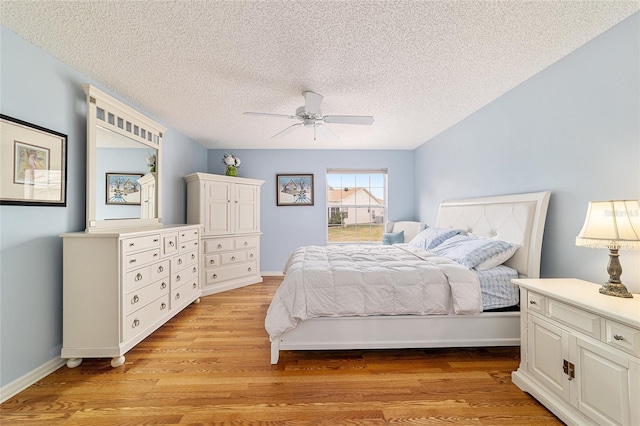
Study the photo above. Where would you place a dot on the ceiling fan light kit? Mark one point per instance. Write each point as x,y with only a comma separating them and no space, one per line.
310,115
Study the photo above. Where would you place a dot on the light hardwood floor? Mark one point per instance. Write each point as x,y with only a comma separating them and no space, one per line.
210,365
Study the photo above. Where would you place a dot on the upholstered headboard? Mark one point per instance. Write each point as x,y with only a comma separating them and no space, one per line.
515,218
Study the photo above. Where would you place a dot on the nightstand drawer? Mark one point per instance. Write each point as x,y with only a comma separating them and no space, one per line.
537,303
583,321
623,337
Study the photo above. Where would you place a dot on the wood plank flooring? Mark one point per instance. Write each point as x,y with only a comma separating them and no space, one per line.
210,365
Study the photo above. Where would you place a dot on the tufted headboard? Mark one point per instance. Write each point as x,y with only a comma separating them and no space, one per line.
517,218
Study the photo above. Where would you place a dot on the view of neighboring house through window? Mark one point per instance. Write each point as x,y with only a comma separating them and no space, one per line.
356,205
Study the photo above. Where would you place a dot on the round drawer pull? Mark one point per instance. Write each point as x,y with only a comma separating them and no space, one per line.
215,276
194,285
177,296
138,276
195,269
132,261
219,246
183,247
246,243
233,258
155,254
132,244
249,269
212,262
618,337
136,322
171,244
164,305
533,302
251,256
183,235
155,240
178,278
135,299
163,286
160,268
193,256
179,261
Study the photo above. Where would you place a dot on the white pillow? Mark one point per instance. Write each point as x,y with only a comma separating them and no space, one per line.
432,237
471,251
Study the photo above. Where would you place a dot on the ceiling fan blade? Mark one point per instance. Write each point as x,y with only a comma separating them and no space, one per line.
326,132
348,119
286,131
312,102
266,114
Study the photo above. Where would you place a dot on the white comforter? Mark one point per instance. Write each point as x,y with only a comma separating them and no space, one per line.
369,280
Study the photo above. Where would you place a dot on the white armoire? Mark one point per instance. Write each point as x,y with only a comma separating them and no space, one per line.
229,209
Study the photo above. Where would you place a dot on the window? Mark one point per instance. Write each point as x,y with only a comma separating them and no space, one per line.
356,205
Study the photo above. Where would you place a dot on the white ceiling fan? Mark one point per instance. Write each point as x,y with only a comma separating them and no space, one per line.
310,115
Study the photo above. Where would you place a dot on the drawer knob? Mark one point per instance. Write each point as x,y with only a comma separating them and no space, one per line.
132,244
533,302
193,255
163,286
183,247
135,299
136,322
164,305
194,285
195,269
177,296
155,254
179,261
160,268
132,261
212,262
138,276
178,278
246,243
618,337
219,246
171,244
249,269
155,240
215,276
251,256
182,235
233,258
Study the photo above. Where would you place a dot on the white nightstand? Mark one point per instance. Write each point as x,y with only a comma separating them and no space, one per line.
580,351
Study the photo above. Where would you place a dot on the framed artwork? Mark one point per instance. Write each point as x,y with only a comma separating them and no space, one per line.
123,188
294,190
33,164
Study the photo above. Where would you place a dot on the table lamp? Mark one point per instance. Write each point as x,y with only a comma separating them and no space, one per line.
613,225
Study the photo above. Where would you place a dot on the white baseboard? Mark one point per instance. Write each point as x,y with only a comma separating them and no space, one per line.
271,273
21,383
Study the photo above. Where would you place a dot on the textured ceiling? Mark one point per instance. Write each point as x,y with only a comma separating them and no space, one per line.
417,66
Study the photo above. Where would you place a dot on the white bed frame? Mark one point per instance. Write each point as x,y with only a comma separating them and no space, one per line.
516,218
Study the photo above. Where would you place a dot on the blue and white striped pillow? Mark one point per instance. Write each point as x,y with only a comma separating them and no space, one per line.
471,251
432,237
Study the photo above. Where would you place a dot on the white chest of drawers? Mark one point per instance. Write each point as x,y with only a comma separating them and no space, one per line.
119,287
580,351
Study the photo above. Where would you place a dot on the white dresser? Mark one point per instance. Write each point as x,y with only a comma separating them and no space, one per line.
580,351
121,285
229,209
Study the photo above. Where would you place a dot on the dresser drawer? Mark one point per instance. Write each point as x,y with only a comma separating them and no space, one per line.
170,244
224,273
623,337
180,277
537,303
189,245
141,258
252,254
159,270
184,292
211,260
143,296
218,245
583,321
183,260
188,235
233,257
247,242
131,245
142,276
145,317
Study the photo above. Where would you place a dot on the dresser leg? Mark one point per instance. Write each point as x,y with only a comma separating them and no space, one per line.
74,362
117,361
197,300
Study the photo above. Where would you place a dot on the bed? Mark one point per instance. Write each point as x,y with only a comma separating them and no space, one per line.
517,219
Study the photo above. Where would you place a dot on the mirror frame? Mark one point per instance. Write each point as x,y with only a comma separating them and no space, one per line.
128,122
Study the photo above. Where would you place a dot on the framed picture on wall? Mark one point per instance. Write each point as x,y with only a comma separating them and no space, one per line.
294,189
33,164
123,188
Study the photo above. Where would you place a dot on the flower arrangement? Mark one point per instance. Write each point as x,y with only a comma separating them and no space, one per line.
232,162
151,162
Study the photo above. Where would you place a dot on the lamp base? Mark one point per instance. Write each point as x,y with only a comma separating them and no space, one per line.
615,289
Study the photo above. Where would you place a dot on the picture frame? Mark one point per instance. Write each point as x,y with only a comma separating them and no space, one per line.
294,189
33,164
122,189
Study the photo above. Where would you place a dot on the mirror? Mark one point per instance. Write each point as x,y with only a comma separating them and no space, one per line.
123,165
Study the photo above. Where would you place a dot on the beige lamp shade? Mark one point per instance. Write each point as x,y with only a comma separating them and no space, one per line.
611,224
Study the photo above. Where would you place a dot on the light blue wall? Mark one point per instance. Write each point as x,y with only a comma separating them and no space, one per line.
572,129
286,228
41,90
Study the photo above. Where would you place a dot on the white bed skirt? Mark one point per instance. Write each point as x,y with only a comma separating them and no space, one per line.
402,331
